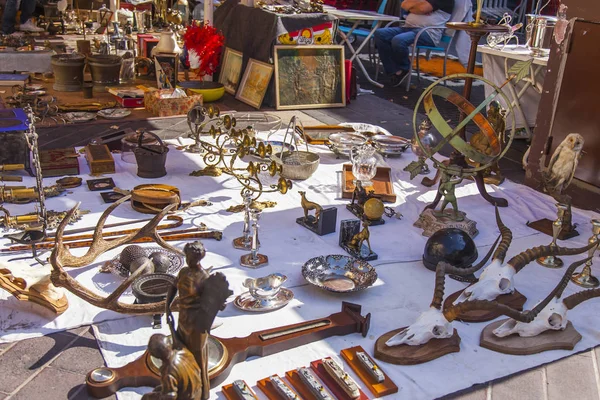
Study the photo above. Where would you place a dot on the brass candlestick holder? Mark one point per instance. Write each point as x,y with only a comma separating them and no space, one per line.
585,278
553,261
254,259
230,145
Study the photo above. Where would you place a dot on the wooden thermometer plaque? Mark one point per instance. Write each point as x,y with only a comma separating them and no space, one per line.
224,353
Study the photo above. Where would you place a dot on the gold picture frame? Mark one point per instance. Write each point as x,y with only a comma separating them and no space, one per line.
254,83
231,70
309,76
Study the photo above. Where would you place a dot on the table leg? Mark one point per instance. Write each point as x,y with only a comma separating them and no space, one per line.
356,52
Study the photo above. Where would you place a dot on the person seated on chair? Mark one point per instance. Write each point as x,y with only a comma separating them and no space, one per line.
393,43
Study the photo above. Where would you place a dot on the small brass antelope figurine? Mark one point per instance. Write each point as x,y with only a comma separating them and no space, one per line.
357,240
309,205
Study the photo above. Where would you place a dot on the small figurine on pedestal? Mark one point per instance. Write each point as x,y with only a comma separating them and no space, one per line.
433,220
324,220
352,239
245,242
366,205
254,259
556,178
201,296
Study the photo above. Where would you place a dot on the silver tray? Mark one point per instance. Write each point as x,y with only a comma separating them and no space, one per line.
390,145
247,302
115,267
339,273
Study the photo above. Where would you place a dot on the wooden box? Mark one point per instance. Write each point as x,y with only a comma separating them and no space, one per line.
382,184
59,162
165,107
99,159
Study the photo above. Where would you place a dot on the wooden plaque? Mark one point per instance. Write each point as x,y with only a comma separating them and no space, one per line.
331,384
382,184
379,389
515,300
522,346
299,386
411,355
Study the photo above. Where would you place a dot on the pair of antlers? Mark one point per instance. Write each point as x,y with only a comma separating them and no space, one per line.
61,257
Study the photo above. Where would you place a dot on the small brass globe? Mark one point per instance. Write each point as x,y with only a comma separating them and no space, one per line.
373,209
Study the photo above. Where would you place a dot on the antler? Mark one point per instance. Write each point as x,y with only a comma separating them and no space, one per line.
522,259
452,312
62,257
506,239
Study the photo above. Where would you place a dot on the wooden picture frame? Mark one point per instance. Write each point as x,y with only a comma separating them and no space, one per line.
231,70
254,83
309,76
169,64
147,45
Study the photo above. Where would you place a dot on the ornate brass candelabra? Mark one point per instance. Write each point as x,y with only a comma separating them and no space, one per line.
554,261
230,145
585,278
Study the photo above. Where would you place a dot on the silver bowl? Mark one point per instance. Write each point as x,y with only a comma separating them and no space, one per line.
339,273
390,145
342,143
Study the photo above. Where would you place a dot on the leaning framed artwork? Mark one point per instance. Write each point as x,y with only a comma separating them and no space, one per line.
231,70
167,68
309,77
254,83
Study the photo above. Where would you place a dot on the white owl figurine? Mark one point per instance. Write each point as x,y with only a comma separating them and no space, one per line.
563,163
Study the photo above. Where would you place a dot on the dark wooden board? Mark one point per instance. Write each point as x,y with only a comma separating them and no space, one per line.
515,300
379,389
331,384
411,355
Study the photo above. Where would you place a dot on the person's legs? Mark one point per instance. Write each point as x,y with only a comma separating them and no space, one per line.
27,9
400,46
9,16
383,42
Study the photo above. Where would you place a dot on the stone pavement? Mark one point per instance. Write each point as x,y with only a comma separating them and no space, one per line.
54,366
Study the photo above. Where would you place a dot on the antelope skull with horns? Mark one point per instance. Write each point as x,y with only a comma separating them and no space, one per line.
498,277
554,315
436,323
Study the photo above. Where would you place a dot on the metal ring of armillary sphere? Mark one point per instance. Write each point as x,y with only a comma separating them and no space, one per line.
451,135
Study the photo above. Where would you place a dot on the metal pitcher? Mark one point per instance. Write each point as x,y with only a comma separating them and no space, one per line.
539,34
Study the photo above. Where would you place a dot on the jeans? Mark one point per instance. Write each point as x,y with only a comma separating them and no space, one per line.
10,12
393,45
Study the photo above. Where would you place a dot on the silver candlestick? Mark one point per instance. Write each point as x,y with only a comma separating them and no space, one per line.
254,259
553,261
245,242
585,278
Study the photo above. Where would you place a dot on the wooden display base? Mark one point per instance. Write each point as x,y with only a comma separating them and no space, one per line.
56,306
331,384
231,394
545,226
522,346
269,390
411,355
515,300
297,383
379,389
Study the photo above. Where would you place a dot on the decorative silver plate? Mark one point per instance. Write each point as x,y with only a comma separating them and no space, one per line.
118,269
80,116
390,145
339,273
246,302
114,113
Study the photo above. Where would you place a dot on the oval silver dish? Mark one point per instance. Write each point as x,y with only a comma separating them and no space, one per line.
339,273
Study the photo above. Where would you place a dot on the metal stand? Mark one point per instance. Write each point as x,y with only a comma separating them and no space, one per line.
585,278
553,261
254,259
245,242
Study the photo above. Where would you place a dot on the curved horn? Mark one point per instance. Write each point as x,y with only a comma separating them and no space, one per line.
506,239
440,280
449,269
574,300
452,312
522,259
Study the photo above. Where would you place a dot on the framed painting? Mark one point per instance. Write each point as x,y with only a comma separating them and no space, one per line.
309,77
167,65
231,70
254,83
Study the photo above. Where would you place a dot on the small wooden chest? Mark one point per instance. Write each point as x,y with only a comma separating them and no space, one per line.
99,159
